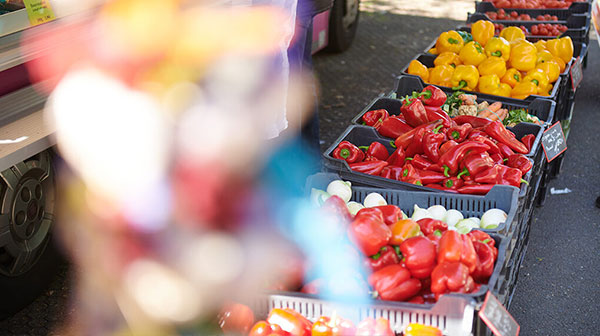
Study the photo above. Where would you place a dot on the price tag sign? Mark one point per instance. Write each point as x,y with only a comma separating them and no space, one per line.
497,318
576,72
553,141
39,11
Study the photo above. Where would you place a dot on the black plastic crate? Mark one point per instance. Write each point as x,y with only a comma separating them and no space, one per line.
501,197
364,135
562,14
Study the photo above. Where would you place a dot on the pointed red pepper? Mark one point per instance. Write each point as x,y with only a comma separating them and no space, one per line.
520,162
500,174
410,175
454,246
416,146
499,133
375,118
431,145
491,143
420,162
453,183
474,121
394,283
332,326
404,140
475,163
397,157
395,173
441,187
419,256
368,231
429,177
432,96
475,189
413,111
376,150
512,176
485,262
430,225
451,159
497,158
436,113
348,152
505,151
371,326
449,277
387,255
290,320
480,236
386,172
528,141
459,133
476,132
394,127
369,167
446,146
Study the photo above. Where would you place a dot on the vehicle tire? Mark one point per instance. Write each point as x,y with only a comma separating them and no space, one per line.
343,22
28,258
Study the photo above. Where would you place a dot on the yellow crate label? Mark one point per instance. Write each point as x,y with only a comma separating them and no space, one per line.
39,11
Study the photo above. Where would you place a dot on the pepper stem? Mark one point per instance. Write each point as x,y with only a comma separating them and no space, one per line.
398,253
437,233
437,129
536,82
523,181
465,172
419,183
363,147
446,169
455,135
392,143
497,53
426,94
345,153
449,183
516,77
452,41
461,85
408,159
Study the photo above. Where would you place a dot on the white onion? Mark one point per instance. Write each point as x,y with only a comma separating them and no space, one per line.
452,217
492,218
374,199
437,212
342,189
318,196
465,226
420,213
354,207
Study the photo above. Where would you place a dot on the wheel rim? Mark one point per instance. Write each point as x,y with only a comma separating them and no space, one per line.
26,213
350,14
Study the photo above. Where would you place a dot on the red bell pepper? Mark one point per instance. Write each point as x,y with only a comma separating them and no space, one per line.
429,177
474,121
499,133
236,318
528,141
394,127
433,96
397,157
459,133
404,229
446,146
416,146
513,177
435,238
520,162
475,163
500,174
431,145
369,167
475,189
468,287
387,255
451,159
291,321
430,225
394,283
332,326
369,326
391,213
413,111
375,118
368,231
505,151
417,300
420,162
348,152
419,256
264,328
454,246
376,150
453,183
485,262
436,113
449,277
336,206
405,139
313,287
486,140
392,173
480,236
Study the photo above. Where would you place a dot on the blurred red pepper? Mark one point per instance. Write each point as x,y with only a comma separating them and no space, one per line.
404,229
387,255
394,283
505,151
416,146
338,208
446,146
405,139
431,145
419,256
375,118
468,287
417,300
449,277
474,121
475,163
369,326
430,225
528,141
499,133
236,318
263,328
454,246
368,231
376,150
313,287
291,321
348,152
413,111
432,96
369,167
429,177
480,236
397,158
459,133
485,262
520,162
391,213
475,189
451,159
394,127
500,174
332,326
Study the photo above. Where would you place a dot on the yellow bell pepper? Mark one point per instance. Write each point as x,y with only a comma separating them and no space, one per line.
511,77
498,46
449,41
549,89
504,90
551,69
441,75
465,77
544,56
523,90
433,51
560,63
492,65
538,77
523,56
512,33
562,47
447,58
472,53
482,31
418,69
489,84
540,45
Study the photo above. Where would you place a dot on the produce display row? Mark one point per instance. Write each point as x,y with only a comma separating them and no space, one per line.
430,189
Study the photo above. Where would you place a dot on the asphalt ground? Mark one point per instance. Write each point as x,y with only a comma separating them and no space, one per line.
558,286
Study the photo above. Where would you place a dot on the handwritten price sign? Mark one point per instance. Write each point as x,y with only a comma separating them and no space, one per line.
497,318
39,11
554,142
